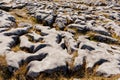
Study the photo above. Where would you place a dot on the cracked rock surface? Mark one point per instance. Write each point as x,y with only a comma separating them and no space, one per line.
61,36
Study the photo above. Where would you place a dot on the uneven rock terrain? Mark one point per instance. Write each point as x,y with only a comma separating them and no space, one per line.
71,37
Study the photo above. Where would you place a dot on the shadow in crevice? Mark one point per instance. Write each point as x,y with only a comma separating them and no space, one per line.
53,74
92,71
40,47
38,57
90,48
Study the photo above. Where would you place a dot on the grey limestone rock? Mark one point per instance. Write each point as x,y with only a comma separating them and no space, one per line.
6,20
52,64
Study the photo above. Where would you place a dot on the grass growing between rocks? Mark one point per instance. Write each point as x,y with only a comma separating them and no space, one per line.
116,36
4,73
96,37
20,74
16,48
21,15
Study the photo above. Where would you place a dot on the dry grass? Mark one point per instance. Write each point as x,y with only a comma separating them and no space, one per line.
4,74
20,74
21,15
82,74
16,48
2,60
93,37
71,63
116,36
56,0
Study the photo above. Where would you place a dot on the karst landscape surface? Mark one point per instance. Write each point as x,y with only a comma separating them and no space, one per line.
59,39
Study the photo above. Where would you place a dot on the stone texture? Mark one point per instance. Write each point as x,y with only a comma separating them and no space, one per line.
6,20
61,36
52,64
100,54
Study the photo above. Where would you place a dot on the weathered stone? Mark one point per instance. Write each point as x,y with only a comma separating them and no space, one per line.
42,14
31,47
62,20
35,37
5,1
105,39
113,28
68,36
100,57
14,60
6,20
17,31
78,28
6,43
52,64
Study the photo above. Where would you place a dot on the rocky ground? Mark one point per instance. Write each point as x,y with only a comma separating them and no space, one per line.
68,37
